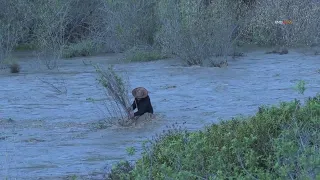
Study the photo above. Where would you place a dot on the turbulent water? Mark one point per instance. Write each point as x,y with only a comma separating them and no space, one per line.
49,129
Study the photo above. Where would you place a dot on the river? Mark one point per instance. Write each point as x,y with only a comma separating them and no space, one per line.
48,128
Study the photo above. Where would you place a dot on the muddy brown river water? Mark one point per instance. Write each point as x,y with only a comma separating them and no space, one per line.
51,131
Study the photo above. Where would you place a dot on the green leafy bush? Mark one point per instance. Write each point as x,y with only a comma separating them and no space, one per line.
279,142
138,54
25,47
121,171
145,56
83,48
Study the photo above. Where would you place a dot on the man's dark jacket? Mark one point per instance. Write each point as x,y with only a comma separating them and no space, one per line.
144,106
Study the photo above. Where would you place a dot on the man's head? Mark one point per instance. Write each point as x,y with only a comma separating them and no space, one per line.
139,93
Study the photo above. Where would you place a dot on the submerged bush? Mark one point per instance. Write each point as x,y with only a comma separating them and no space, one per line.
15,68
25,47
277,143
117,94
11,63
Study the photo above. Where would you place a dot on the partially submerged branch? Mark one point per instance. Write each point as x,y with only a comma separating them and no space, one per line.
117,91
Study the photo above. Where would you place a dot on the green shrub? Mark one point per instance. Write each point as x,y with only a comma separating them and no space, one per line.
145,56
276,143
83,48
137,54
297,152
121,171
25,47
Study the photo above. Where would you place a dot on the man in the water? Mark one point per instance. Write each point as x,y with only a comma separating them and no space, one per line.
141,102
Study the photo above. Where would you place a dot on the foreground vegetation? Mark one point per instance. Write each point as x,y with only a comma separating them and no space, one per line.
278,142
195,31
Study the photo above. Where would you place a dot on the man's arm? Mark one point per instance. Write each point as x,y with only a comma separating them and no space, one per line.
134,105
142,109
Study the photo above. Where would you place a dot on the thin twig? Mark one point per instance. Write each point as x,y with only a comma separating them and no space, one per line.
56,89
